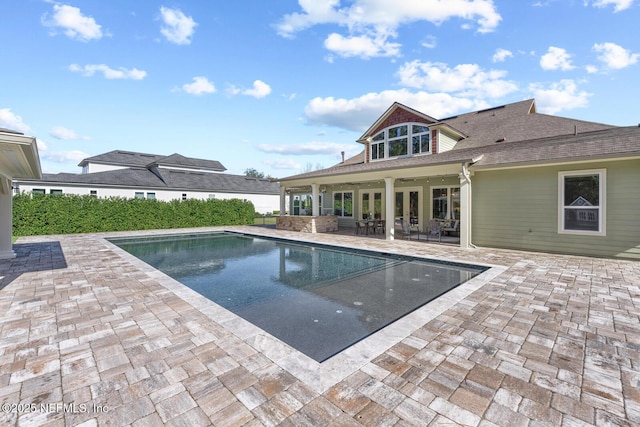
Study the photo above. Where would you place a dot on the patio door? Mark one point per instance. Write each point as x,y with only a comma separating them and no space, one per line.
408,206
371,204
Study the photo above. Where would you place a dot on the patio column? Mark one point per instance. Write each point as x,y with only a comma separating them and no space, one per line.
315,203
283,198
389,211
6,219
465,207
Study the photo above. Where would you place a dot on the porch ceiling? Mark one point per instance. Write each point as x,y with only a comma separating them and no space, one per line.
378,175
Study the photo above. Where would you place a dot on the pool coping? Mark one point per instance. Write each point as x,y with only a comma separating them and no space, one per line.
319,376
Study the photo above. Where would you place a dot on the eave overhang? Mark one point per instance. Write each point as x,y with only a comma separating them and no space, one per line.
19,156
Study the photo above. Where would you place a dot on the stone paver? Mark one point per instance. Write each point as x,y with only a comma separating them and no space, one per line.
90,336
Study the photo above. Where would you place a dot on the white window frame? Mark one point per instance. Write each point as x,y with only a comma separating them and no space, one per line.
409,136
333,209
602,186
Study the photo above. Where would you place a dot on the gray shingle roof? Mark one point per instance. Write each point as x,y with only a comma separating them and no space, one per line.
525,137
178,160
134,159
168,180
514,122
123,158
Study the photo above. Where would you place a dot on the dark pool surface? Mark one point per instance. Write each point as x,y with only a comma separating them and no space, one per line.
318,299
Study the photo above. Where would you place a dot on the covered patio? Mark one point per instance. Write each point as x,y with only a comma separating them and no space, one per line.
418,199
18,159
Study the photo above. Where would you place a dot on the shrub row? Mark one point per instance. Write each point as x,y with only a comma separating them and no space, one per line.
68,214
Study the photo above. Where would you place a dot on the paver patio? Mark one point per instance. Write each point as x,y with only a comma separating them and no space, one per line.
92,336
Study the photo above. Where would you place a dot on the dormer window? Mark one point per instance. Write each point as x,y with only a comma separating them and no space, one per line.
395,142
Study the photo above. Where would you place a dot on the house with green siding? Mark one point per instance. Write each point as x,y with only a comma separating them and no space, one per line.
504,177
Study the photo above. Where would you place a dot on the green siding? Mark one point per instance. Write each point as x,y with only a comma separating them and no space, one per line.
518,208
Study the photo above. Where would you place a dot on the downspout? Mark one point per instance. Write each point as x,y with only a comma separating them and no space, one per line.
467,177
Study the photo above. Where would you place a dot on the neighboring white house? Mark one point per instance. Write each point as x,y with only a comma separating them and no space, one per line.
130,174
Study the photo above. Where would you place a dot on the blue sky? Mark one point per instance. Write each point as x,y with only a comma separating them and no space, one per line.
284,86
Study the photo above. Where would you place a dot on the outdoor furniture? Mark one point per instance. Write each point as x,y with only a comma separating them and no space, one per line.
434,229
379,226
405,230
451,227
359,227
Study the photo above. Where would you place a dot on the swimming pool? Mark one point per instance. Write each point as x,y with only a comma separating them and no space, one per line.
318,299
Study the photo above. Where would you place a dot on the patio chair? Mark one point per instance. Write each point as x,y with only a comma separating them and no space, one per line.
405,230
453,227
434,229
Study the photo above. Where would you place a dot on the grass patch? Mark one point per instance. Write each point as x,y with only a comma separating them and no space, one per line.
268,220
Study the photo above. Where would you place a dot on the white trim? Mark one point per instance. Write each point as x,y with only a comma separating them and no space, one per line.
602,189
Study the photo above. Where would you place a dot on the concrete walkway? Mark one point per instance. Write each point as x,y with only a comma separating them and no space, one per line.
92,336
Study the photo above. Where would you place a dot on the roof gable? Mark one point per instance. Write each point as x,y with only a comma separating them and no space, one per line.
396,114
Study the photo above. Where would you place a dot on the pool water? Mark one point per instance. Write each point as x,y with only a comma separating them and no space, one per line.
318,299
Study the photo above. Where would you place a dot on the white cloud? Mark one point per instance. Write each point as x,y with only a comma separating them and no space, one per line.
388,14
618,5
75,156
357,114
10,120
501,55
615,57
306,148
178,28
73,23
108,72
465,79
362,46
199,86
259,90
430,42
371,23
60,132
283,164
556,58
559,96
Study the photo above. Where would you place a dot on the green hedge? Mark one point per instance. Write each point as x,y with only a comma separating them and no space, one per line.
68,214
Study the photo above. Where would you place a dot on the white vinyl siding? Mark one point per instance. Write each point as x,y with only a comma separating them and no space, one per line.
445,142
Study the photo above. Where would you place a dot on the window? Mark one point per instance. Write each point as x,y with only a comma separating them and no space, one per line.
420,139
377,147
581,202
403,140
151,196
55,192
38,191
398,141
93,193
184,196
139,195
343,204
445,202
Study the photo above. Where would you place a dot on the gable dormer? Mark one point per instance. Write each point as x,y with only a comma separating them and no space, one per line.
403,132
